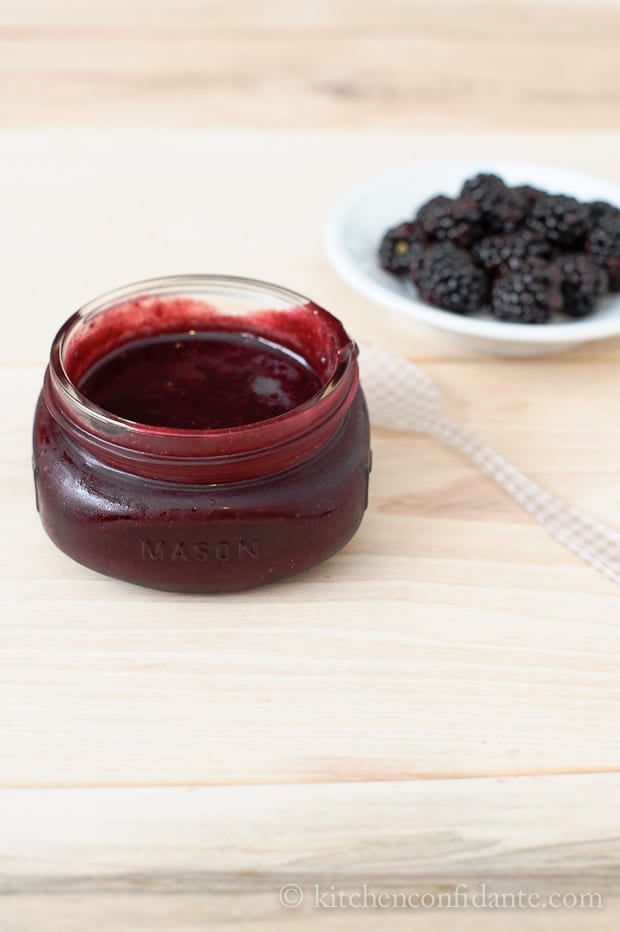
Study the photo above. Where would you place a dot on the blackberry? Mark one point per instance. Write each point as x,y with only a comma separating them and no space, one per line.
503,209
483,188
600,209
447,277
604,246
459,221
505,250
529,294
399,245
563,220
583,283
529,194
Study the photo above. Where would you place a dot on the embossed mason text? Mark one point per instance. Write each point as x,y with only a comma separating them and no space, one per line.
200,551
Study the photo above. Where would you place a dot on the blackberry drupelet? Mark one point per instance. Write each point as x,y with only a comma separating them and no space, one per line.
529,294
583,283
604,246
458,220
562,219
505,250
399,245
447,277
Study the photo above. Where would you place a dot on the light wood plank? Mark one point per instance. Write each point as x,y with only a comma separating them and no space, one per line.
179,857
224,910
339,64
451,638
191,838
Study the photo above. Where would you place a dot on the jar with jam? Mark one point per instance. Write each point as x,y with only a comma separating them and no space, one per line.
201,434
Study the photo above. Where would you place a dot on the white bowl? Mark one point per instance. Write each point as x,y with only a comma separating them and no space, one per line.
358,221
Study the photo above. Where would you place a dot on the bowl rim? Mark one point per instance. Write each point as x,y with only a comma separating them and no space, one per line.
570,331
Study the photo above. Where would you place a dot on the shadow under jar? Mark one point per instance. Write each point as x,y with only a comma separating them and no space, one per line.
201,434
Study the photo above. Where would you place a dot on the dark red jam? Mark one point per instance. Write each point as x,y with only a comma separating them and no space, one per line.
201,434
200,381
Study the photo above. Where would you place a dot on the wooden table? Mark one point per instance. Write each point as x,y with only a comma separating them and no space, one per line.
436,706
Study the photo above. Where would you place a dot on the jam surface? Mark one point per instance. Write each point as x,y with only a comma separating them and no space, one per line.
200,380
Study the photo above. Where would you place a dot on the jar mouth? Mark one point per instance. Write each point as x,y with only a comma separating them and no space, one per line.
181,285
241,304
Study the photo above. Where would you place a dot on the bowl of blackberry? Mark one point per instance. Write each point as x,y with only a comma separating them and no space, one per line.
510,258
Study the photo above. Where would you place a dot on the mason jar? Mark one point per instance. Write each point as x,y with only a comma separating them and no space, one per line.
225,484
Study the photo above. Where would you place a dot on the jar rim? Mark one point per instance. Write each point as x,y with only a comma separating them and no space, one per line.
107,420
245,450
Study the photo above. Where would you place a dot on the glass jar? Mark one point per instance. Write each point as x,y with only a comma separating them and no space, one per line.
202,510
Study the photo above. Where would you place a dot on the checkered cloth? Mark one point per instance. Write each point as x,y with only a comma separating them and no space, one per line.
401,397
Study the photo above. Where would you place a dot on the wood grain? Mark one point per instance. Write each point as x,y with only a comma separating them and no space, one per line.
451,646
181,858
68,840
438,704
449,64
